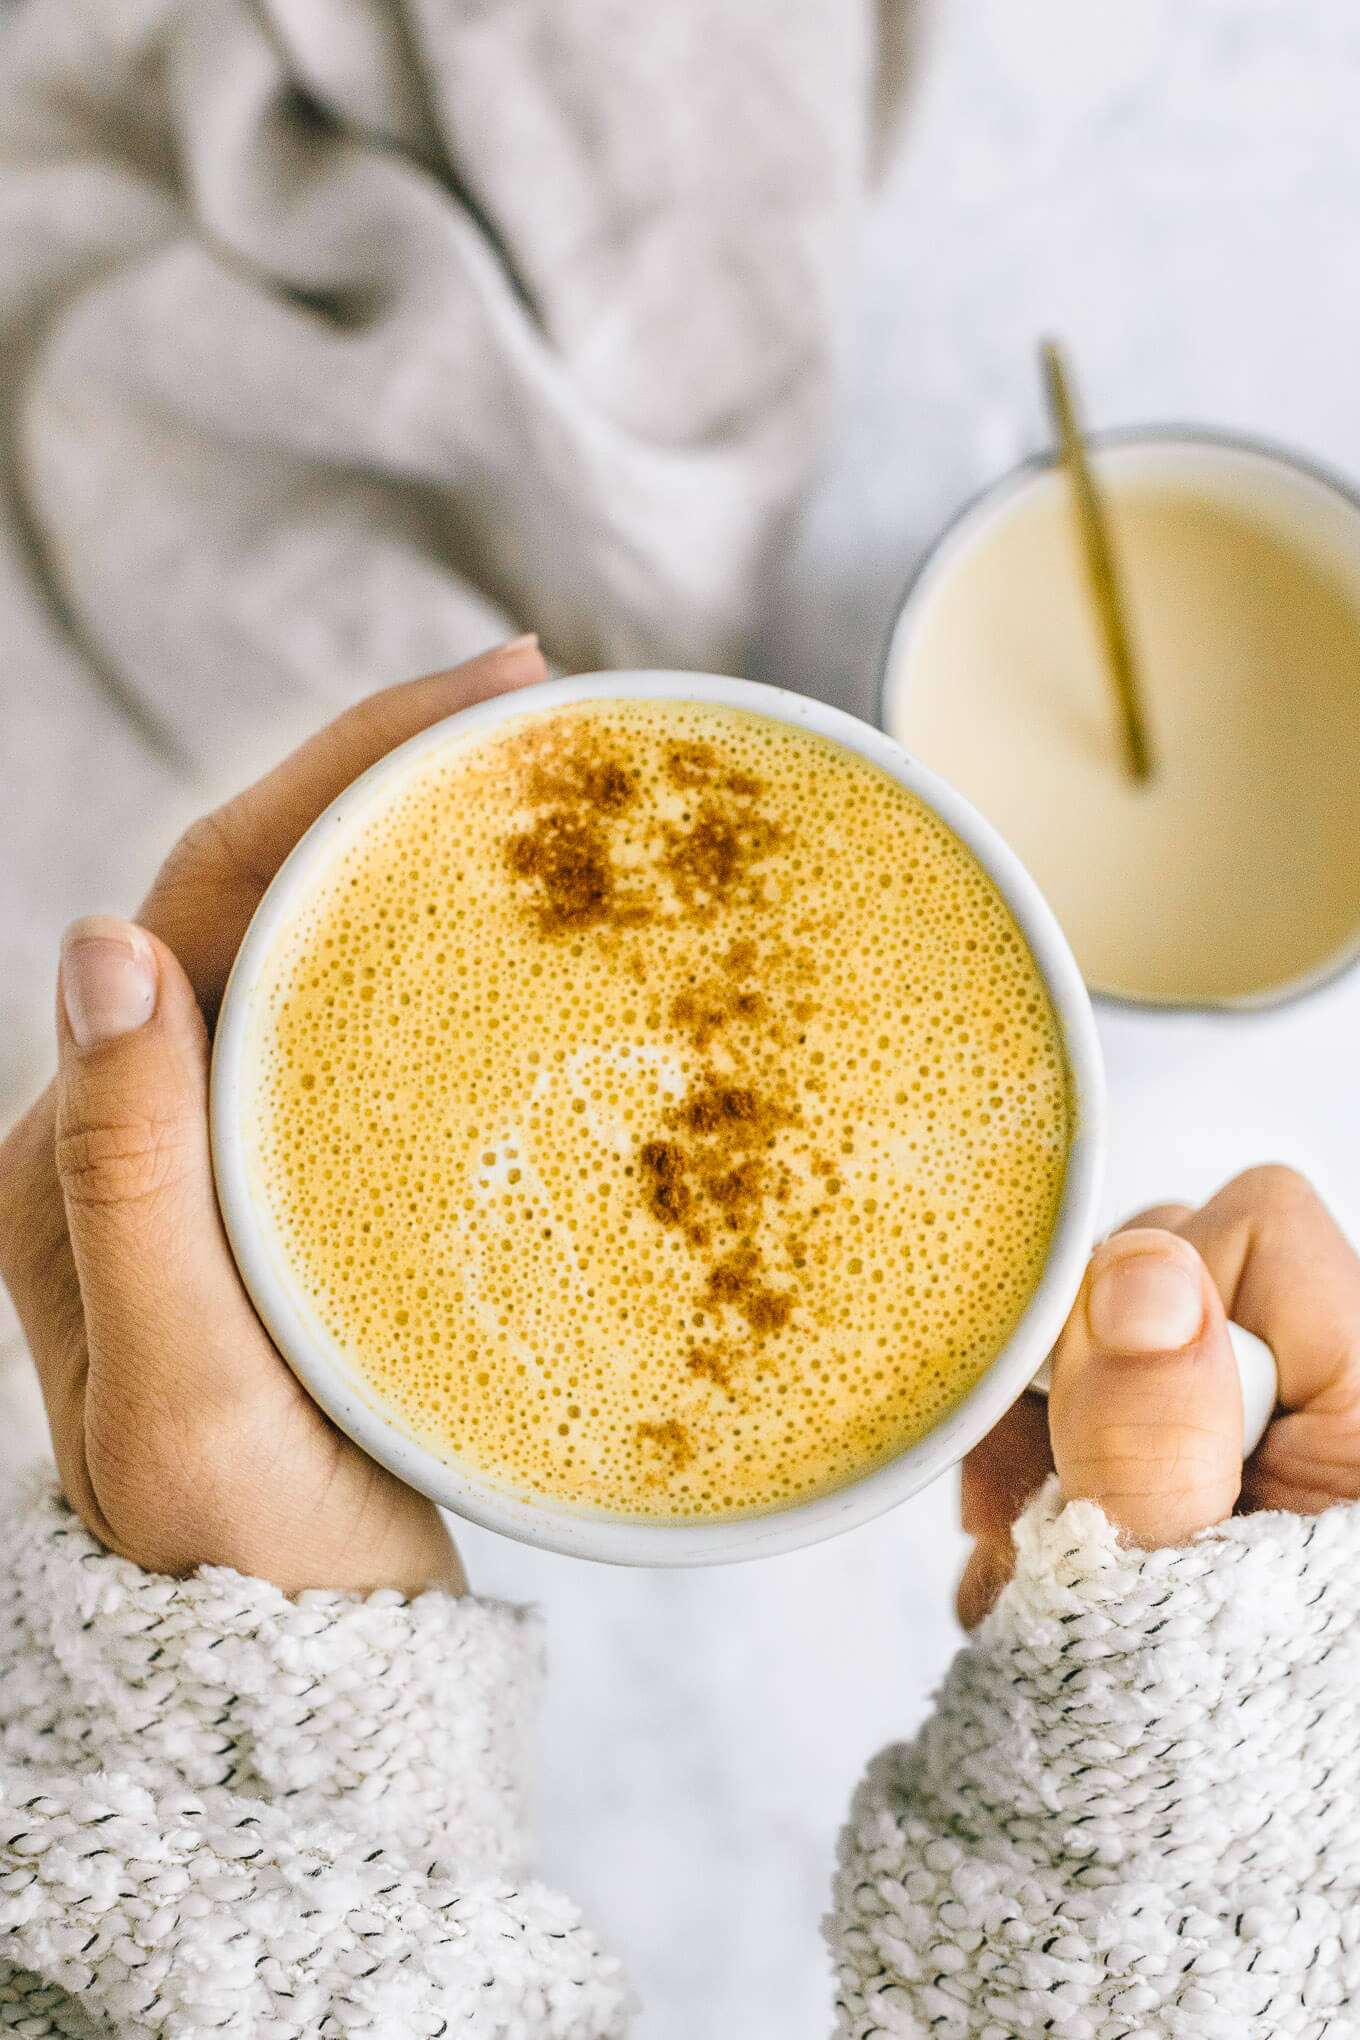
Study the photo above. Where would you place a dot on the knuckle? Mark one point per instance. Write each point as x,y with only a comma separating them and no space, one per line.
210,852
121,1161
202,845
1159,1218
12,1187
1137,1455
1344,1410
25,1170
206,863
1275,1186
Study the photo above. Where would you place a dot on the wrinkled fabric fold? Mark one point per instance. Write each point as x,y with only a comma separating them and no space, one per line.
341,338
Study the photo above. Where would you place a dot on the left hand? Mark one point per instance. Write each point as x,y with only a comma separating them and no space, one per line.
1145,1412
180,1436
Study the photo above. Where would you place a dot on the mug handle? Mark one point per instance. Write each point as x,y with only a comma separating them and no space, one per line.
1257,1372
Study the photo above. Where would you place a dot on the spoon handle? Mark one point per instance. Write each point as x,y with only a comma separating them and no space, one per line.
1107,595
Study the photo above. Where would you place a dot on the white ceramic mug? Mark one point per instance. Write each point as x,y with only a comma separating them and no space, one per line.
322,1366
1314,510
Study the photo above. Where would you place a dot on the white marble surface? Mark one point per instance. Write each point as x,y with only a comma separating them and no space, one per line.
1177,192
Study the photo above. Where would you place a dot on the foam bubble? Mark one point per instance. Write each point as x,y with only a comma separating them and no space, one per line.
660,1108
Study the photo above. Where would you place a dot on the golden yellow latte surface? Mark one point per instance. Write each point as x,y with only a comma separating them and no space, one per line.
659,1107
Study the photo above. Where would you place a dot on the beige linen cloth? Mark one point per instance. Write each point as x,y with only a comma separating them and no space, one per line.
341,338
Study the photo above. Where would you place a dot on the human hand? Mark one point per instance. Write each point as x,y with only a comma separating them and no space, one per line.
180,1436
1145,1412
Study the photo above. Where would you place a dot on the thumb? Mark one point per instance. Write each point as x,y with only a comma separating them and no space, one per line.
132,1155
1145,1412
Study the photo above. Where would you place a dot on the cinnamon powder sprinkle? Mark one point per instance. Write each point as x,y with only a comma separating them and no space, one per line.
712,1363
709,858
737,1191
701,1014
713,1171
590,778
698,764
711,862
732,1107
736,1283
668,1195
567,852
567,857
671,1439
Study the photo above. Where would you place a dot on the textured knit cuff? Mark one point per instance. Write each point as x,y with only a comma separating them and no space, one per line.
1134,1809
1186,1702
411,1712
225,1812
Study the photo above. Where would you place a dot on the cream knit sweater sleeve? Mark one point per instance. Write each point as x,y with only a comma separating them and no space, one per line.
1133,1814
1136,1809
225,1812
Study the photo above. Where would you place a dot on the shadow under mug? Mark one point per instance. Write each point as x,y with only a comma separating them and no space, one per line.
326,1371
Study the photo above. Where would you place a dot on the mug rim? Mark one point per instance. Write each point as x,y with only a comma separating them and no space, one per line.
315,1359
991,499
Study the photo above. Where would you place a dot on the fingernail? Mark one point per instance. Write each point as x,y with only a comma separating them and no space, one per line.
1145,1302
108,979
527,642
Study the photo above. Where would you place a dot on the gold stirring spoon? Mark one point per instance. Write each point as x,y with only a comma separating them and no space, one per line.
1106,593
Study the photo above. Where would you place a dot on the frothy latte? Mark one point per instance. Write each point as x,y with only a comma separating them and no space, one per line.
659,1108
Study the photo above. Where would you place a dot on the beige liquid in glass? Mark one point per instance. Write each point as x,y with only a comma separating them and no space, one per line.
660,1108
1237,871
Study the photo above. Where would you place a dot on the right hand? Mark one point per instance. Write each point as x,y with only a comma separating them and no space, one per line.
1145,1414
180,1436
